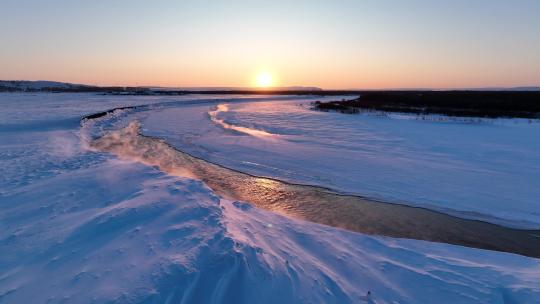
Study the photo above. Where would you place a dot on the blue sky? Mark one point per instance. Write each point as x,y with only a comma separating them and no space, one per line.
331,44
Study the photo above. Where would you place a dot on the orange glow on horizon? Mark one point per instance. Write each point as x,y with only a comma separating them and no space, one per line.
322,44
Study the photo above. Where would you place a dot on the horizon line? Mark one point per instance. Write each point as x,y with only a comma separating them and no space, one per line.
305,87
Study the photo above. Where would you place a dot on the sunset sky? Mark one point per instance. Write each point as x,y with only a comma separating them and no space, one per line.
329,44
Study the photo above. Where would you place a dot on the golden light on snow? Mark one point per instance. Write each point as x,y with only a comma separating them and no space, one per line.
264,80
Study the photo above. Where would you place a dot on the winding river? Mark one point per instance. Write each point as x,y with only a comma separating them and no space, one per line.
315,204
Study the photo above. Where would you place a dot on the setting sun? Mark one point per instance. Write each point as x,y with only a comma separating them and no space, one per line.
264,80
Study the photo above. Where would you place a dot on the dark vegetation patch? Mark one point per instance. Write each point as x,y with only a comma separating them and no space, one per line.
101,114
490,104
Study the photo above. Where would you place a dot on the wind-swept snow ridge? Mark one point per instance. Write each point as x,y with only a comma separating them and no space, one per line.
159,238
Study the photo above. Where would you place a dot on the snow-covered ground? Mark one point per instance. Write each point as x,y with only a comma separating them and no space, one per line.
78,226
488,170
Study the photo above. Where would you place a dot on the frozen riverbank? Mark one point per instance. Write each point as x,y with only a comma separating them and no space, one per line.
78,226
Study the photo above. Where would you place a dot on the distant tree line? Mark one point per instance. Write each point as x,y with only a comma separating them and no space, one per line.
75,89
524,104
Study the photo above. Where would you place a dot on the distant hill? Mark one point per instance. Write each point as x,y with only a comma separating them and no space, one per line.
484,89
495,89
40,85
60,87
510,89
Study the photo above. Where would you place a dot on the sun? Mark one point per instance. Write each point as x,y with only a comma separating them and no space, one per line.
264,80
